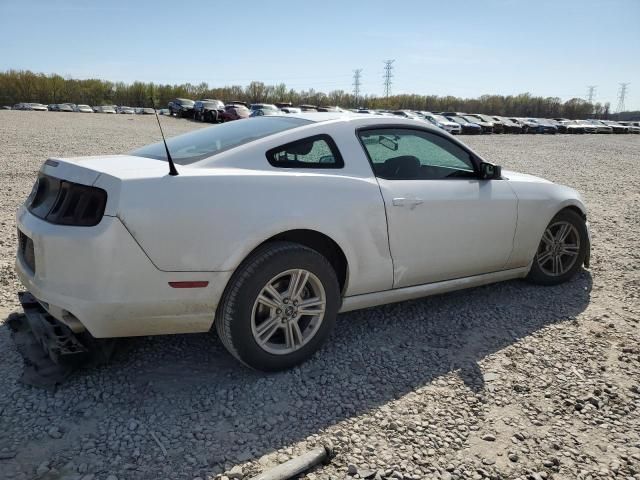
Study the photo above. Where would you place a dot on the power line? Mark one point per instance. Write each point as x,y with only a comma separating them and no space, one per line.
388,68
591,93
621,94
356,84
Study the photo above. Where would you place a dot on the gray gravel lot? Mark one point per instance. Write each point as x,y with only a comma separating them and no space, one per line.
503,381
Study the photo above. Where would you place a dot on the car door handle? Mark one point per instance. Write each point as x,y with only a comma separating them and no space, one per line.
407,202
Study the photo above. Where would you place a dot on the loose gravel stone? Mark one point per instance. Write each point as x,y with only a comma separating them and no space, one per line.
406,390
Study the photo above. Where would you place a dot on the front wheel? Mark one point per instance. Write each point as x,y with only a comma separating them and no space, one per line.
562,251
279,307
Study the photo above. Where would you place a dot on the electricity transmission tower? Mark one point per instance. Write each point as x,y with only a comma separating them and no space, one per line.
591,93
356,84
388,75
621,94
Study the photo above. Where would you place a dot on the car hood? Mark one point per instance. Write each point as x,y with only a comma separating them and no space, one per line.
522,177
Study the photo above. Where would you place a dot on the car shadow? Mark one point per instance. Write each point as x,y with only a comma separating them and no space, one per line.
202,405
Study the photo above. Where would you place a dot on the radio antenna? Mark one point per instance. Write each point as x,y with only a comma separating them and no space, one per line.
172,167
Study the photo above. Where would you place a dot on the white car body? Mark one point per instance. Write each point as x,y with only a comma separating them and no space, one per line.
401,239
84,109
444,123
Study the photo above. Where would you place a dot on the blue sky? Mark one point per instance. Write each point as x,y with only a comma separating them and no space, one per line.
462,48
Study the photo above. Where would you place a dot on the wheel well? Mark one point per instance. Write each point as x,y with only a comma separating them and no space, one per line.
577,210
322,244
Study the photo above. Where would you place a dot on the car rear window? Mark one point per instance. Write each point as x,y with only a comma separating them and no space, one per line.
200,144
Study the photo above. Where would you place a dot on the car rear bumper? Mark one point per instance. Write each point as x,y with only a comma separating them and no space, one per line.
99,279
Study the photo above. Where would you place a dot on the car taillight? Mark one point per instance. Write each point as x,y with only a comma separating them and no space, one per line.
66,203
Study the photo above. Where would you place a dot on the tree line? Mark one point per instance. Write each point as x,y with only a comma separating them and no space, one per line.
25,86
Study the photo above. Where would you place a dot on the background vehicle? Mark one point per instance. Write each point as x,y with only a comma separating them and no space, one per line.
235,111
633,128
443,122
543,125
587,126
290,109
467,126
83,109
104,109
508,125
263,106
528,126
617,128
126,110
487,127
497,125
65,107
275,281
208,110
181,107
600,127
146,111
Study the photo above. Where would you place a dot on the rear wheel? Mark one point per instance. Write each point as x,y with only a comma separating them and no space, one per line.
562,250
279,306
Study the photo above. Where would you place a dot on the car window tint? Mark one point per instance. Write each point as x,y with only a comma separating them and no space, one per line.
319,151
405,154
200,144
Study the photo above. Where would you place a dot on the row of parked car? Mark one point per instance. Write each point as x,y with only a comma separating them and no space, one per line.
476,123
216,111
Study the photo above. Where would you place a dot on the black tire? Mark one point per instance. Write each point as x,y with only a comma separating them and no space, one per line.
234,314
537,274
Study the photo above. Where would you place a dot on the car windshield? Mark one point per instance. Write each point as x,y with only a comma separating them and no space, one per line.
458,119
185,102
211,104
200,144
472,119
440,118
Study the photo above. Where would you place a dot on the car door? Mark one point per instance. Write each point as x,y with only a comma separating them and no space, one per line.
444,222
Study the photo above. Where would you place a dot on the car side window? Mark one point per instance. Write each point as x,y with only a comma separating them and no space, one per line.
319,151
406,154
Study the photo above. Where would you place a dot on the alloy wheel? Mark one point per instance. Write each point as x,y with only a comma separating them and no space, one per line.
559,248
288,311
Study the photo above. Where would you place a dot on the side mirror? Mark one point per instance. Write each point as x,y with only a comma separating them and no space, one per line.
489,171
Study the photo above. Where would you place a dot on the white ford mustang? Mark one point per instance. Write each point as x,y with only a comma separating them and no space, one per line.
274,225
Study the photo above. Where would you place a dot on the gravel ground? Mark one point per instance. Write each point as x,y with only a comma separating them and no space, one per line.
503,381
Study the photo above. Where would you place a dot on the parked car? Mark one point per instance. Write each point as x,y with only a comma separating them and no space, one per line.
443,122
308,108
236,102
528,126
235,111
290,109
600,127
73,106
6,107
65,107
38,107
497,125
406,114
509,126
570,126
587,126
262,112
617,128
544,126
208,110
487,127
147,111
83,109
126,110
633,127
467,126
104,109
181,107
391,226
52,107
263,106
